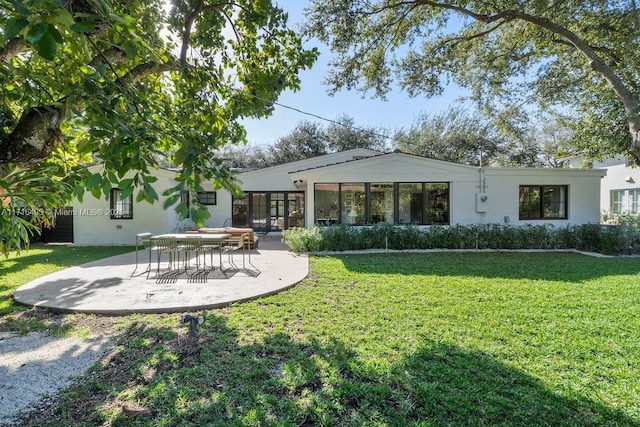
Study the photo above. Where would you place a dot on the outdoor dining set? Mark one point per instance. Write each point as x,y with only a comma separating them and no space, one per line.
190,250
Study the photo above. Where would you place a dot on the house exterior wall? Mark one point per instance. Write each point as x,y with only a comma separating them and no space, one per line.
500,185
619,177
277,179
219,213
92,224
503,185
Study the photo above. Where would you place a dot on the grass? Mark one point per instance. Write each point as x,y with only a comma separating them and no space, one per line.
471,339
20,268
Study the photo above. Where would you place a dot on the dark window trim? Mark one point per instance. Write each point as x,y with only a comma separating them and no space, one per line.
250,210
542,217
396,201
113,194
206,200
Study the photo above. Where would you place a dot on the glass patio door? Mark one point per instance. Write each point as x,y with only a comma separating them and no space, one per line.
259,211
277,211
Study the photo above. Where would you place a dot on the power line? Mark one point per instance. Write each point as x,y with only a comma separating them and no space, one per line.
306,113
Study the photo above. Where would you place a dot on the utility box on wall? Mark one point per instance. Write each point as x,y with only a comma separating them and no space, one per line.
482,201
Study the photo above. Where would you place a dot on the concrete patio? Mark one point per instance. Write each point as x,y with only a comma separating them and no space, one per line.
113,286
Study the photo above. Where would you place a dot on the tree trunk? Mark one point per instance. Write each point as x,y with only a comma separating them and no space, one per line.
35,136
634,129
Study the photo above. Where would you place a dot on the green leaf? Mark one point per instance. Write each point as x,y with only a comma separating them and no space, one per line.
47,47
127,192
36,32
64,16
150,194
13,27
100,133
95,192
125,183
130,49
169,191
55,3
106,187
19,8
94,181
170,201
83,26
53,32
85,146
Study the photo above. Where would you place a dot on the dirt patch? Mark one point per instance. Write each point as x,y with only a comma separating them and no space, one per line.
115,363
37,359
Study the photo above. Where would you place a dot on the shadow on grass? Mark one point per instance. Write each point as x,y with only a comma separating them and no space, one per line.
219,379
566,267
17,270
59,256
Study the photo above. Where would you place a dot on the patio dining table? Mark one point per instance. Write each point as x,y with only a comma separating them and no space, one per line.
209,238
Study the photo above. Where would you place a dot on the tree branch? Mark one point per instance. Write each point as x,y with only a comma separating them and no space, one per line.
14,47
141,71
630,102
476,35
186,34
34,137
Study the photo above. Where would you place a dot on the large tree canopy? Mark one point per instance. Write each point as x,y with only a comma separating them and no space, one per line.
469,137
579,55
122,82
306,140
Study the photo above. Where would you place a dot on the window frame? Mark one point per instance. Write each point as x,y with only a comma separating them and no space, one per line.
260,203
541,211
114,200
629,198
427,189
205,196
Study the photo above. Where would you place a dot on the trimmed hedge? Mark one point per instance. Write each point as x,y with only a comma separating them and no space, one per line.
623,238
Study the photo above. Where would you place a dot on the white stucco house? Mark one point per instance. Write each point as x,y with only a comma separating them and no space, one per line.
361,187
620,189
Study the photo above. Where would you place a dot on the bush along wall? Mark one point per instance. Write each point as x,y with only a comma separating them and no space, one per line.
623,238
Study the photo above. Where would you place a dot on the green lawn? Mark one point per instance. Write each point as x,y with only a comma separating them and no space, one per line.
457,339
18,269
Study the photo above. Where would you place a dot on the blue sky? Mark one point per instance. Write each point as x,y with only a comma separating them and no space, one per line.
399,110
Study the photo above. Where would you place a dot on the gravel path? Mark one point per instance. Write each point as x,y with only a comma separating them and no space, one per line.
35,365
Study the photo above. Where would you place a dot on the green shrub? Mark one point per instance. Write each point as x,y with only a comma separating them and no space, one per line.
608,239
303,240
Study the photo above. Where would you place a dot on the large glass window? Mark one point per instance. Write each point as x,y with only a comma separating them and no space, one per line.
625,202
120,207
371,203
326,203
634,201
437,195
543,202
381,202
295,210
353,203
410,203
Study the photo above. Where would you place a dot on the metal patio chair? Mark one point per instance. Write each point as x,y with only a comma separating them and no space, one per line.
236,244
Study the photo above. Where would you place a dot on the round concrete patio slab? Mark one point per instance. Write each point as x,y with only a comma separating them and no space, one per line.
114,286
